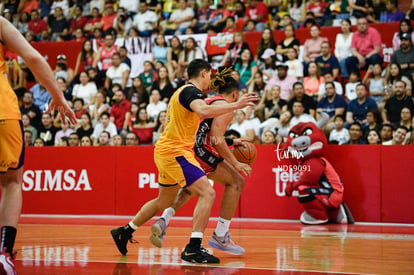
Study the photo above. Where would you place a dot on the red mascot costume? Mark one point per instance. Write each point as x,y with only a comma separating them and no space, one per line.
319,186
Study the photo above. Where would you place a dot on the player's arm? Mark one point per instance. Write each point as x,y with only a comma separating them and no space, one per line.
13,40
218,128
207,111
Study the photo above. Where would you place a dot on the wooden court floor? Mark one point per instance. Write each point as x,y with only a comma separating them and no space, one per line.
83,245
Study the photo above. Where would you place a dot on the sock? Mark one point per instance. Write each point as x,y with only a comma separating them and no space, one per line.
8,235
130,228
168,214
222,227
195,241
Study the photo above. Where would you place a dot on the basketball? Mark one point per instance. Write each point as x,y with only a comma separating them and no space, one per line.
245,154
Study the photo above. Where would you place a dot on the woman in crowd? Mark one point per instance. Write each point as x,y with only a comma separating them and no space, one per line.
173,55
93,23
86,90
297,11
288,43
312,46
99,107
23,24
373,121
267,41
375,83
405,27
312,82
235,49
159,126
406,118
86,141
164,85
85,124
343,45
246,67
131,116
137,93
374,137
143,127
268,137
294,65
160,51
85,57
268,67
28,127
273,105
258,85
393,75
190,52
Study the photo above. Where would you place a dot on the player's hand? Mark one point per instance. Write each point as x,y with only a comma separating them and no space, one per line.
249,99
63,108
243,168
239,141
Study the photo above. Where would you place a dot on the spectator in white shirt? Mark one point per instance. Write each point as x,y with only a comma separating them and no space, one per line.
145,21
339,135
299,114
85,90
343,45
243,126
104,124
118,73
156,105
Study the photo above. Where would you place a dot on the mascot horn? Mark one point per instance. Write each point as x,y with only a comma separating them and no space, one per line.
320,188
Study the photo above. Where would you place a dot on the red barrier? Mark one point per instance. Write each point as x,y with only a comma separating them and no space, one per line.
50,51
119,180
69,181
397,178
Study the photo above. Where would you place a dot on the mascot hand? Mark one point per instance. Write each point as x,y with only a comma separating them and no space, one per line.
289,189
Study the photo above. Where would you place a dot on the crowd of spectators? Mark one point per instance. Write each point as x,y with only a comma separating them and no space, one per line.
367,102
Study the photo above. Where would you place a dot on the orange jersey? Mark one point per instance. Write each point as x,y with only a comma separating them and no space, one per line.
182,124
9,105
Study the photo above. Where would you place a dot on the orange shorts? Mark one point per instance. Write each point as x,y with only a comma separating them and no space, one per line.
11,145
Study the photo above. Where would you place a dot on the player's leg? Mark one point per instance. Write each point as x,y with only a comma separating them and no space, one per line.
206,195
226,175
10,205
159,227
11,171
166,197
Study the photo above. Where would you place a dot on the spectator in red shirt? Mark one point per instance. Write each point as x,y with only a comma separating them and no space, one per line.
27,6
109,17
78,21
36,24
365,46
258,12
95,22
119,110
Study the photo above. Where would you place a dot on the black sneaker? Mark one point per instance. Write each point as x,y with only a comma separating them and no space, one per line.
199,256
121,239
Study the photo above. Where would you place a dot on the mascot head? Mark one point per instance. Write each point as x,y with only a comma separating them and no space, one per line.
306,140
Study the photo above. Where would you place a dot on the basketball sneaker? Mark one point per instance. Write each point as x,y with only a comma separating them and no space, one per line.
305,218
225,244
200,256
158,231
6,264
121,239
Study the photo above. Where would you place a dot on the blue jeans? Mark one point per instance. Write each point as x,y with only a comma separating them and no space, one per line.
352,62
344,71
